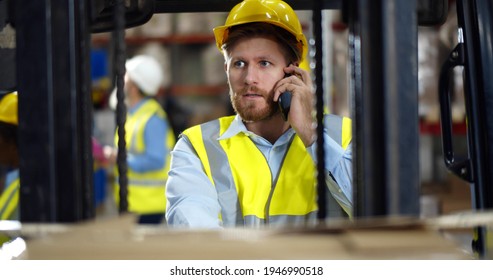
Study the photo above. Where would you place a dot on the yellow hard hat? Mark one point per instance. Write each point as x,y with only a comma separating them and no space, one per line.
275,12
8,108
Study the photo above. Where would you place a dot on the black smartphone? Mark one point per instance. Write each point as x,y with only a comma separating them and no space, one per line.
285,104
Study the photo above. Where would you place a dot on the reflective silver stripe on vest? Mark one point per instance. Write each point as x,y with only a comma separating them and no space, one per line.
133,139
309,219
221,174
147,183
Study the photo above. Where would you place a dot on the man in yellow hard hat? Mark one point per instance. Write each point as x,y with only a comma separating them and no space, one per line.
9,157
258,167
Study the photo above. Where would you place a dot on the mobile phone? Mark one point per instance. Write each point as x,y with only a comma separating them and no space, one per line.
285,104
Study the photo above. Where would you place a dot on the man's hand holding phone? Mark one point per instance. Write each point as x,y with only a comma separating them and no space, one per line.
295,96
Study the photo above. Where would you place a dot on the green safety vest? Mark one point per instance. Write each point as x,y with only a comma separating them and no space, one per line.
146,190
247,191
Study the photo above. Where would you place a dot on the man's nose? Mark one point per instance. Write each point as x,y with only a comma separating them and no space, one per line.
251,75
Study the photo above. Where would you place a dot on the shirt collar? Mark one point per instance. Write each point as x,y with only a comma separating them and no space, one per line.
237,126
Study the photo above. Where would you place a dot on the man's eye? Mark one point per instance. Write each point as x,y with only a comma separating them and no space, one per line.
239,64
264,63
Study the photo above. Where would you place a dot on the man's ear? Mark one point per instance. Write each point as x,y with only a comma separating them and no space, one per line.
295,63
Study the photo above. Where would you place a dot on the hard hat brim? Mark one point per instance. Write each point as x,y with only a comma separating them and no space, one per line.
221,35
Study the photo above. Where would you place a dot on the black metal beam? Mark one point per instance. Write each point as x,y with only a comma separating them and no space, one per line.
7,49
475,19
383,51
55,111
321,185
138,12
190,6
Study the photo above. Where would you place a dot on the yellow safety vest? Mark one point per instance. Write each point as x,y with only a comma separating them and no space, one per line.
9,201
247,192
146,190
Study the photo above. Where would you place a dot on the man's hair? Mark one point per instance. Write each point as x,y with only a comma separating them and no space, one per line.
286,40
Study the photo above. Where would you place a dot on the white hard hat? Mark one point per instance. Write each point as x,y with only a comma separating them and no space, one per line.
146,73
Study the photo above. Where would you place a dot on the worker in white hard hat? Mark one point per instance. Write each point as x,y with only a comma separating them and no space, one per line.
9,157
257,167
149,139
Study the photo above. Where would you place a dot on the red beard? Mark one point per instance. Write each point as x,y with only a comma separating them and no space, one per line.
253,110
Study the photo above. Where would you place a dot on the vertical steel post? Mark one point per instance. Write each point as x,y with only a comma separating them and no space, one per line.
121,109
475,18
383,53
321,186
55,111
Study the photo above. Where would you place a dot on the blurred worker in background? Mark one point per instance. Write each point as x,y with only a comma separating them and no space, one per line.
256,168
9,157
149,139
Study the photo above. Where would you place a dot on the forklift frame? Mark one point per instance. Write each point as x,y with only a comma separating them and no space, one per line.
55,112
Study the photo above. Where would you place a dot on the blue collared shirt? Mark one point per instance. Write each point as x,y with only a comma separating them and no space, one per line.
192,199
